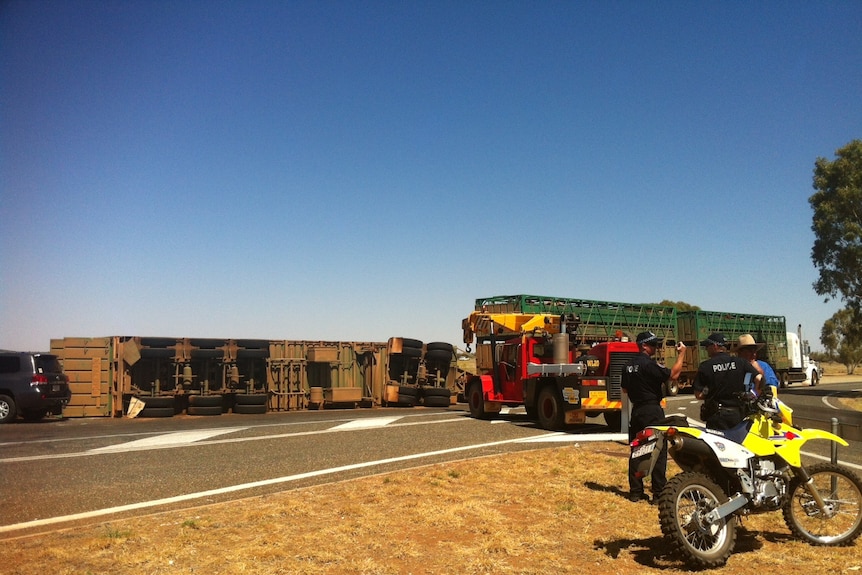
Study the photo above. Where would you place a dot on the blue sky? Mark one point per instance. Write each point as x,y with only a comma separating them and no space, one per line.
362,170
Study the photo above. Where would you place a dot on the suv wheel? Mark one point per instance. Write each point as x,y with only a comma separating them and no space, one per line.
7,409
34,414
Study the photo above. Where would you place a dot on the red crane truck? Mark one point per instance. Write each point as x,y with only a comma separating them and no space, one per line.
529,360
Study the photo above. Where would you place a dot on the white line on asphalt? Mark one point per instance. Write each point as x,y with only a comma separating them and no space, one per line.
561,437
125,447
176,439
366,423
241,487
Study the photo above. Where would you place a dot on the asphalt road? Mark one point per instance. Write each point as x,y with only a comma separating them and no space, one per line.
55,473
58,472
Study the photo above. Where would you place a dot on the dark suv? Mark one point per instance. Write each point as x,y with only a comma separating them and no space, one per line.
31,385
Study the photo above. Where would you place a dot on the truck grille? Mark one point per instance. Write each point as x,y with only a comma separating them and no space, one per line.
618,362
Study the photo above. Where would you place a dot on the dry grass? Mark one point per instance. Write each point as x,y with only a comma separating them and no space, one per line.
833,368
543,512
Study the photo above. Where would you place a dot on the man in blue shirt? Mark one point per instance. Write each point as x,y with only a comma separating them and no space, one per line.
747,348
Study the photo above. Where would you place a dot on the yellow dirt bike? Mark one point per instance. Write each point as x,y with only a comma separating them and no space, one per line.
753,468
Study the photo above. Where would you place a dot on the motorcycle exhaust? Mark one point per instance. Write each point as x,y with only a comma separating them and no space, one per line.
689,445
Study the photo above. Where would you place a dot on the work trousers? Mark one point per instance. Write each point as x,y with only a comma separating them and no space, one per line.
642,416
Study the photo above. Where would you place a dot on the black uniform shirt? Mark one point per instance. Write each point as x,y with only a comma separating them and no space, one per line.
643,378
723,376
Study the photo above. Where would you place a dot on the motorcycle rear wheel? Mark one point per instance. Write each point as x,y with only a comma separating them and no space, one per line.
841,490
684,501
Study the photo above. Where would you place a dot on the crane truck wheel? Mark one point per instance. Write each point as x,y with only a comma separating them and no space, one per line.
476,401
550,408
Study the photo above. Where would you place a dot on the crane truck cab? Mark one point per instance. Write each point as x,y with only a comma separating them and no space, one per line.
529,360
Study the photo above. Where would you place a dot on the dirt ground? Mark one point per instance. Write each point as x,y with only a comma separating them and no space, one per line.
544,512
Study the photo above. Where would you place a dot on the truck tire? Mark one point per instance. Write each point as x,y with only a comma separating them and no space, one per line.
157,412
436,401
406,343
672,388
407,400
158,401
204,410
252,398
439,346
815,379
614,420
435,396
205,401
476,401
550,407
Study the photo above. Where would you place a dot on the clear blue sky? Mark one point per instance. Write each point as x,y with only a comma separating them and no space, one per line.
361,170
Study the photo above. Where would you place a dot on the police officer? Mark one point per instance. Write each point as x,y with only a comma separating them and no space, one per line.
643,380
720,382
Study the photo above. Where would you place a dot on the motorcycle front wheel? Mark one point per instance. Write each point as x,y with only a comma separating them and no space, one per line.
841,522
682,507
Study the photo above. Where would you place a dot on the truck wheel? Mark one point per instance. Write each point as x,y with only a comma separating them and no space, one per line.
435,401
158,402
614,420
156,412
476,401
672,388
815,379
252,398
205,401
550,406
204,410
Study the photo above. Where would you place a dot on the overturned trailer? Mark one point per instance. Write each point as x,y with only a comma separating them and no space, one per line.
164,376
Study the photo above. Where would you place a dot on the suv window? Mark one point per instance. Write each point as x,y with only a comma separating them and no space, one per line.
10,363
47,364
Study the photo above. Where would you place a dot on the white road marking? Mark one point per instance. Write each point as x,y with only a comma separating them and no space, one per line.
242,487
560,437
825,400
173,438
177,439
124,447
366,423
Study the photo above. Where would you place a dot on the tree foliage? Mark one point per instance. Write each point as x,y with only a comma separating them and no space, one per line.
679,305
840,337
837,225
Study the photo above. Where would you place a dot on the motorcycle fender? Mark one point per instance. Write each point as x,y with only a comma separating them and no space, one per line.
791,451
814,433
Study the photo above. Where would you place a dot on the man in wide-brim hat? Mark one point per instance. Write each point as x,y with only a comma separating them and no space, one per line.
746,347
747,341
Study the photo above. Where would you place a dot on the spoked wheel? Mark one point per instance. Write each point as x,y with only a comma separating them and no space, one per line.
841,521
683,505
